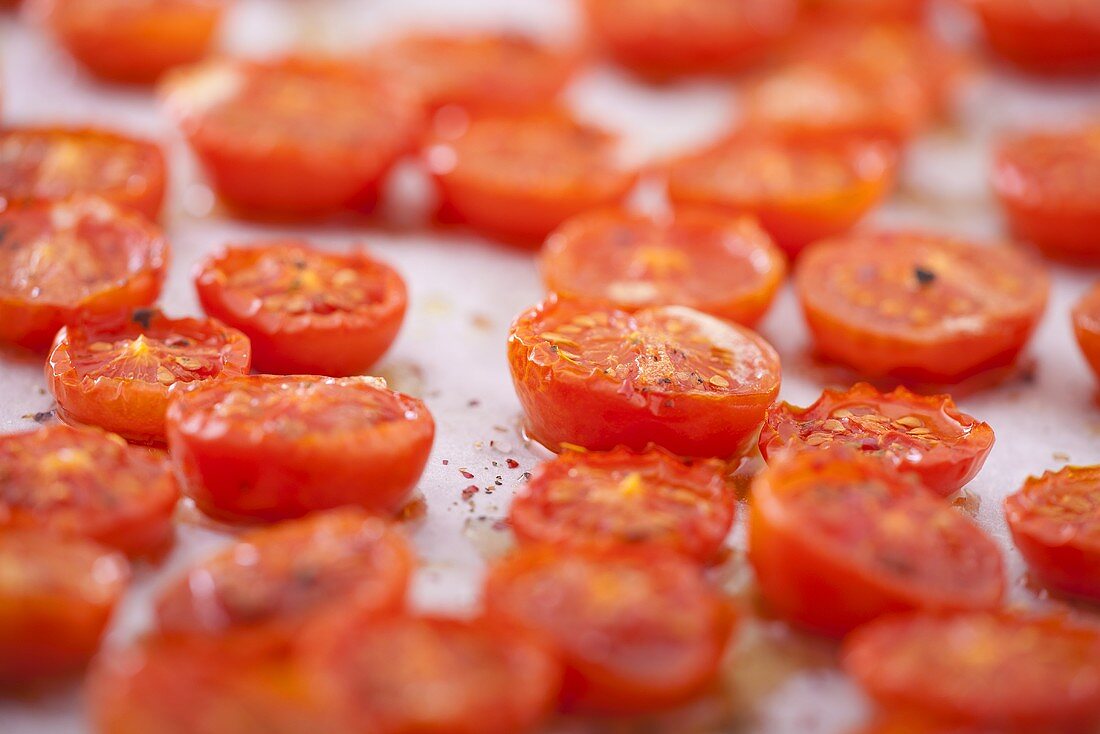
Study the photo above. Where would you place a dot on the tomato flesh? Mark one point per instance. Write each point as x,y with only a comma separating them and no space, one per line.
1055,37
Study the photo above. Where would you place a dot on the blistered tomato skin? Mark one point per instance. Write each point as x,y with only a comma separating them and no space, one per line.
268,448
600,378
1054,37
925,435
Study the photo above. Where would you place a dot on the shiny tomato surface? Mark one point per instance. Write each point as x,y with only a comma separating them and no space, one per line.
1086,327
1049,37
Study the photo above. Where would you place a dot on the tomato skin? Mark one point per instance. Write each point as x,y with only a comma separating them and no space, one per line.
286,462
338,340
1086,327
1049,39
952,455
909,11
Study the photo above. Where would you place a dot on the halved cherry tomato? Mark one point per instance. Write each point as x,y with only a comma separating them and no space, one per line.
838,538
55,163
1043,36
305,311
1055,523
292,138
915,306
801,190
56,598
721,264
1006,671
267,448
520,176
926,435
864,10
60,260
134,40
474,70
119,371
599,378
431,675
87,482
1049,186
662,38
1086,327
621,498
638,631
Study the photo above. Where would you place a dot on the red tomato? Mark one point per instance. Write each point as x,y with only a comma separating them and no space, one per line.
74,257
293,138
995,669
838,538
1086,326
1049,186
1043,36
928,436
134,40
621,498
801,190
638,631
1055,522
268,448
662,38
910,723
915,306
724,265
864,10
520,176
430,675
54,163
600,378
56,597
119,371
86,482
304,310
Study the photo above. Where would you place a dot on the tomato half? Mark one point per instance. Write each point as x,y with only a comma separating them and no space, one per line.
268,448
721,264
1048,184
305,311
56,598
1049,37
621,498
520,176
1086,327
87,482
599,378
1055,523
926,435
801,190
119,371
638,631
482,678
868,10
838,538
55,163
293,138
915,306
134,40
60,260
995,669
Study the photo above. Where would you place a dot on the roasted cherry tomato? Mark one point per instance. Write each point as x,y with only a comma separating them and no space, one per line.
864,10
801,190
268,448
1086,326
482,678
475,71
1055,523
926,435
305,311
721,264
637,630
1000,670
838,538
915,306
74,257
54,163
119,371
599,378
56,597
662,38
520,176
1049,186
134,40
620,498
292,138
1043,36
87,482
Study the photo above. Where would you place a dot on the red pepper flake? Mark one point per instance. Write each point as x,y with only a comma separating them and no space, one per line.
446,462
512,463
469,492
466,474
